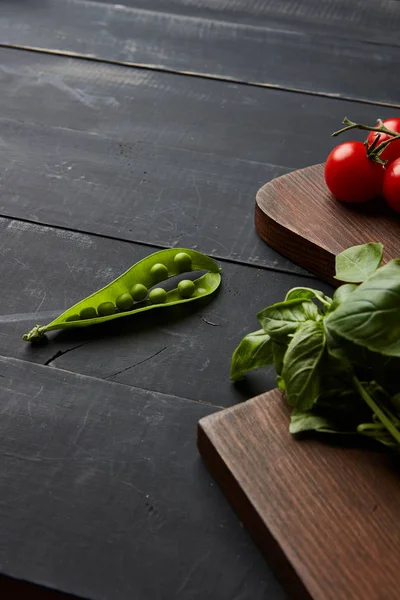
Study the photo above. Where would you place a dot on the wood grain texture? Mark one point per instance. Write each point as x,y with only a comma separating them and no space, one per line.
152,157
271,54
47,270
298,216
103,494
367,20
332,512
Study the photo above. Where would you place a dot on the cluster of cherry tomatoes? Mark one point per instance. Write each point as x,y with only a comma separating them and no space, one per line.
358,172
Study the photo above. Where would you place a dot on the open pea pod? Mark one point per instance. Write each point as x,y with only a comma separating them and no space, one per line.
129,293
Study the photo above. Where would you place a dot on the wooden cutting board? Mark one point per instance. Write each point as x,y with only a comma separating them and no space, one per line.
298,216
326,517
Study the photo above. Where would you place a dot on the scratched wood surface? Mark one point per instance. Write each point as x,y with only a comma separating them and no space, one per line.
49,270
103,492
102,163
362,19
152,157
272,56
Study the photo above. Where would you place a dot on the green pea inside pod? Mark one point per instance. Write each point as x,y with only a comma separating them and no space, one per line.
186,288
159,272
124,301
158,296
88,313
133,285
183,262
105,309
75,317
139,292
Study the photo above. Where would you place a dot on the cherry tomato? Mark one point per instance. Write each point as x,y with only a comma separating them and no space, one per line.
350,175
393,150
391,185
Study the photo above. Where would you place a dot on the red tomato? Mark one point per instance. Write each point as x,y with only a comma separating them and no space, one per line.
393,150
391,185
350,175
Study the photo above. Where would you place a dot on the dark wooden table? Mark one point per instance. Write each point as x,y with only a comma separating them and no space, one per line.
125,128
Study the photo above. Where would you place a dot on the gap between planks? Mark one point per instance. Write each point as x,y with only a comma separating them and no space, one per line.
209,76
115,238
11,359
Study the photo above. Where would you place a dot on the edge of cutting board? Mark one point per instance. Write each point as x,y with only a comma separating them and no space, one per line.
298,217
325,516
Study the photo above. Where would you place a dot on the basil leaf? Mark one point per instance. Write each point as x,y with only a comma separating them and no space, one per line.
300,292
280,382
307,294
301,365
341,294
356,264
377,434
253,352
282,319
306,420
278,351
370,316
344,351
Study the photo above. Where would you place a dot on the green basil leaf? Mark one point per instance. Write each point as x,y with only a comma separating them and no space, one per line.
306,420
307,294
344,351
280,382
342,293
301,365
370,316
356,264
300,292
278,351
253,352
283,319
378,435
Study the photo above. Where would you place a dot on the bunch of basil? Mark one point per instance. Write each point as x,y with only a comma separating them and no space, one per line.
337,359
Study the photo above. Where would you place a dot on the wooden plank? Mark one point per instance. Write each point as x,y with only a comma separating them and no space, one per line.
364,19
153,157
262,55
136,191
298,216
48,270
326,516
103,495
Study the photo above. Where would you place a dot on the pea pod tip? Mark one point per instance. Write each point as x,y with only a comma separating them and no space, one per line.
35,334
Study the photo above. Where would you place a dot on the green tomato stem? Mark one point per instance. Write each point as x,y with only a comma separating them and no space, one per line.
384,419
351,125
374,150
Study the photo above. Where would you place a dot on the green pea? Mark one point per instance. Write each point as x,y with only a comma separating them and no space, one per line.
72,318
186,288
88,313
158,296
106,308
139,292
183,262
159,272
124,301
